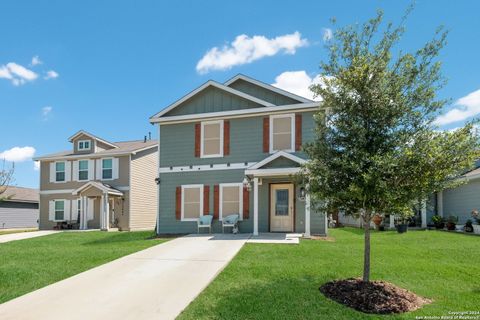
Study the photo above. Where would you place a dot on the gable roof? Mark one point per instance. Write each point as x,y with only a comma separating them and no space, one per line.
20,194
266,86
122,148
275,156
88,134
206,85
106,188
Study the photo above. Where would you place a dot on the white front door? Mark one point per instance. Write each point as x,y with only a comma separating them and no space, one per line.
281,207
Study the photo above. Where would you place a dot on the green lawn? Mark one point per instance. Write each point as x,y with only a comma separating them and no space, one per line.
26,265
274,281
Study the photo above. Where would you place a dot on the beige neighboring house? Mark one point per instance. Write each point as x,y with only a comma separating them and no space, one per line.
100,185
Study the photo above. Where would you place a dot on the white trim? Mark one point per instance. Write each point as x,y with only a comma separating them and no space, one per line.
83,142
55,210
98,185
275,156
192,186
266,86
69,191
202,125
64,171
205,86
240,198
92,155
307,216
292,133
255,206
82,132
78,172
206,167
242,113
272,172
101,169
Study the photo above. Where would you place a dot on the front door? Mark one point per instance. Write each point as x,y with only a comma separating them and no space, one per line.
281,207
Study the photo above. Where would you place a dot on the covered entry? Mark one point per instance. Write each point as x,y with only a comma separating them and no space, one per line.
106,195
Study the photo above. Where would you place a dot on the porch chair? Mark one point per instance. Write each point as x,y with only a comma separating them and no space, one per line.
205,222
230,221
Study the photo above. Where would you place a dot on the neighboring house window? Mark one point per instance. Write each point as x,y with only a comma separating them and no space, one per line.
59,210
84,145
231,195
107,168
212,139
282,133
83,170
192,202
59,171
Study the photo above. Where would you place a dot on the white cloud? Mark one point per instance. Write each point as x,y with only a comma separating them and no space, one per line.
467,107
51,75
36,165
18,154
16,73
245,49
46,112
36,61
327,34
297,82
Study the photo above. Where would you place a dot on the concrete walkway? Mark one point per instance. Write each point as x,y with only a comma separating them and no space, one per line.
24,235
156,283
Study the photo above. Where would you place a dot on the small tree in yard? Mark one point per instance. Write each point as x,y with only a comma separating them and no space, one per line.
377,149
6,176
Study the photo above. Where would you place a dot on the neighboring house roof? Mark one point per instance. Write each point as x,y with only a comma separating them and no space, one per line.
266,86
204,86
94,137
122,148
20,194
474,174
106,188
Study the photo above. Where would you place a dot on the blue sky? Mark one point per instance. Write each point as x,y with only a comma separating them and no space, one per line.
106,66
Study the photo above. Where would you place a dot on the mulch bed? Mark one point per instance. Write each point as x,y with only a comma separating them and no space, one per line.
372,297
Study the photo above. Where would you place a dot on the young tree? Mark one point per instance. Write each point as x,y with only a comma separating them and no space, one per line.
377,149
6,176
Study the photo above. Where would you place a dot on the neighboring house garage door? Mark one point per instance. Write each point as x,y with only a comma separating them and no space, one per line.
18,215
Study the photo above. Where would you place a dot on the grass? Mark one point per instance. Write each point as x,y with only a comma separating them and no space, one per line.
274,281
27,265
10,231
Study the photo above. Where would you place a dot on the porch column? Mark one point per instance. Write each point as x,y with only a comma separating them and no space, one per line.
424,213
255,206
392,221
440,203
83,209
107,212
104,212
307,217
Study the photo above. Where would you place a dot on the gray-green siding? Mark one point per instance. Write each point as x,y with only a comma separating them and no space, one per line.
169,224
462,200
262,93
177,146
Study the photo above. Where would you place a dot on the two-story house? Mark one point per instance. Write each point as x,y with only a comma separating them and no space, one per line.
234,148
99,184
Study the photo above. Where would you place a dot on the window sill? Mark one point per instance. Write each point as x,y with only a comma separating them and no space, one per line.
211,156
191,220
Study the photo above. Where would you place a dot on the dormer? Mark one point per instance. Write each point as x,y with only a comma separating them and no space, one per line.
84,142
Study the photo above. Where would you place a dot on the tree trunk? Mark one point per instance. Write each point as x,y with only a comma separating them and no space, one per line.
366,252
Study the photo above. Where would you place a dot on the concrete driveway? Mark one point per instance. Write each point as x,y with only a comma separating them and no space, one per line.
24,235
156,283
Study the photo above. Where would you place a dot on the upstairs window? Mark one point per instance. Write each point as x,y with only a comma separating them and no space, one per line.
192,202
83,170
107,169
59,210
60,171
212,139
83,145
282,133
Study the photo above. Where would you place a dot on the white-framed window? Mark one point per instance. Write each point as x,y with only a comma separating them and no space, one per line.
231,199
60,171
107,169
211,144
192,202
83,145
59,210
282,133
83,170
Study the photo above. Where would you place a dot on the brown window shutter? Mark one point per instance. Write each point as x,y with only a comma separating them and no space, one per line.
266,134
226,137
216,201
246,203
206,200
298,132
197,140
178,203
